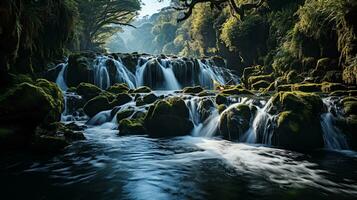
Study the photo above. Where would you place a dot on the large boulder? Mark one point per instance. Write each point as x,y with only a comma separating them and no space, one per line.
132,127
28,105
168,118
88,91
96,105
297,121
118,88
234,122
192,90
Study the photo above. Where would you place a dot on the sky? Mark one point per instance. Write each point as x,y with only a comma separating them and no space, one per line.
152,6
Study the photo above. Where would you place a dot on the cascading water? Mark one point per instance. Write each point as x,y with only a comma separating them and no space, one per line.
333,136
60,78
174,72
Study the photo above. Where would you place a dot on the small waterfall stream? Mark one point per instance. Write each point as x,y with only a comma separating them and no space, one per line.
333,136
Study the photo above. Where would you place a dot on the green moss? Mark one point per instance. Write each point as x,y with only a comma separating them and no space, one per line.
221,108
132,127
146,99
308,87
298,123
260,85
236,91
331,87
192,90
254,79
168,118
234,121
88,91
29,105
121,99
290,120
118,88
350,105
96,105
124,114
143,89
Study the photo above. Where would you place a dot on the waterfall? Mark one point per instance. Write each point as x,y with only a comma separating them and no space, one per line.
332,135
157,73
60,78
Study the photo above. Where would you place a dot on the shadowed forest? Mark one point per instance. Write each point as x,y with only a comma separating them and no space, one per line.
178,99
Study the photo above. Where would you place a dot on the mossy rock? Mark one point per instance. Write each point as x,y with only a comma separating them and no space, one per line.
121,99
236,91
192,90
221,108
350,105
308,87
254,79
118,88
143,89
28,105
331,87
124,114
146,99
235,121
298,120
260,85
168,118
88,91
294,77
132,127
205,107
96,105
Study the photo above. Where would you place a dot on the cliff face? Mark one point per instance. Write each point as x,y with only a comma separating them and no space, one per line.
33,32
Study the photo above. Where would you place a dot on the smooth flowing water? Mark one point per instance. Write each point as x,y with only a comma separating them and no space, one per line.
106,166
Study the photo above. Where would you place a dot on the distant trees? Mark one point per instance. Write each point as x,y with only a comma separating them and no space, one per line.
100,19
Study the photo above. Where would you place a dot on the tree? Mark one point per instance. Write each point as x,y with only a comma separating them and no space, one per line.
237,8
102,18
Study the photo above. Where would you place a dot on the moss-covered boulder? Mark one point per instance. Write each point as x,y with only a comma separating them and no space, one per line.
121,99
132,127
143,89
192,90
146,99
349,105
28,105
88,91
236,91
168,118
205,107
297,121
96,105
234,122
118,88
293,77
221,108
124,114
